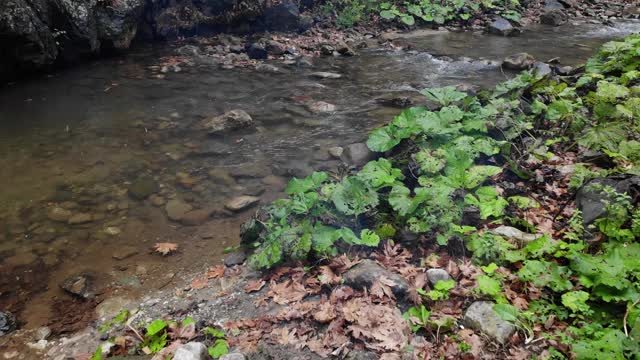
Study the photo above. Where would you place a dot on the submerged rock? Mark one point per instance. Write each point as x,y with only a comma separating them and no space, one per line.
176,209
480,316
365,274
241,203
229,121
326,75
81,218
196,217
7,323
80,285
58,214
143,187
318,107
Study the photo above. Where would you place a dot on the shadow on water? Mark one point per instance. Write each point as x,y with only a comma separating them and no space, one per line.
78,140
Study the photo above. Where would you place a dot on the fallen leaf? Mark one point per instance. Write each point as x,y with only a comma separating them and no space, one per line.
199,283
165,248
215,272
254,285
328,277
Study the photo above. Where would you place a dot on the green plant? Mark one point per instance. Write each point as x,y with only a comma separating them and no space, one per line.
418,318
220,346
155,338
441,290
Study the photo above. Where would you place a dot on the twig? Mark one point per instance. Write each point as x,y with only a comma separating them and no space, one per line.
135,332
626,315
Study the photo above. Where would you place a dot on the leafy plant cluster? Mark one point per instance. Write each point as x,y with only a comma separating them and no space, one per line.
410,12
445,11
442,177
158,335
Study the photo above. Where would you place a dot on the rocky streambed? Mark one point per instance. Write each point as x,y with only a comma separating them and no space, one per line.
177,145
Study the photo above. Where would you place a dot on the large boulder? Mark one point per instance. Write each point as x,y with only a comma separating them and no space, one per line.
284,16
36,34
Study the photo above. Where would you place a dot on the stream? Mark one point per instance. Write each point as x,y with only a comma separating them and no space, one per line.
72,144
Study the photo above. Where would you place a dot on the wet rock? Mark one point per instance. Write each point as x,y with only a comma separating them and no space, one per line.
80,285
345,50
554,17
327,49
241,203
336,152
7,323
81,218
186,180
191,351
541,69
253,171
256,51
318,107
235,258
437,275
229,121
515,234
250,231
124,252
325,75
188,50
304,62
590,201
112,230
365,274
275,48
520,61
42,333
276,182
58,214
358,154
501,26
233,356
471,216
143,187
480,316
597,158
284,16
39,345
196,217
176,209
39,33
157,200
268,68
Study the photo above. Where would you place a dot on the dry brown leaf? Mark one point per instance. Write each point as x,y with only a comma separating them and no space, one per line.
199,283
254,285
382,288
215,272
325,314
286,292
328,277
469,337
165,248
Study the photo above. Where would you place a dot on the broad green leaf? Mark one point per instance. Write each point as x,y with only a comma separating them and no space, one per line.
506,312
444,95
218,349
156,327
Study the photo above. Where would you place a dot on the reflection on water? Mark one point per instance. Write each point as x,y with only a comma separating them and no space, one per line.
72,146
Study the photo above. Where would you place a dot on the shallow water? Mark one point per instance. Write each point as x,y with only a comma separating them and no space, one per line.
78,138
